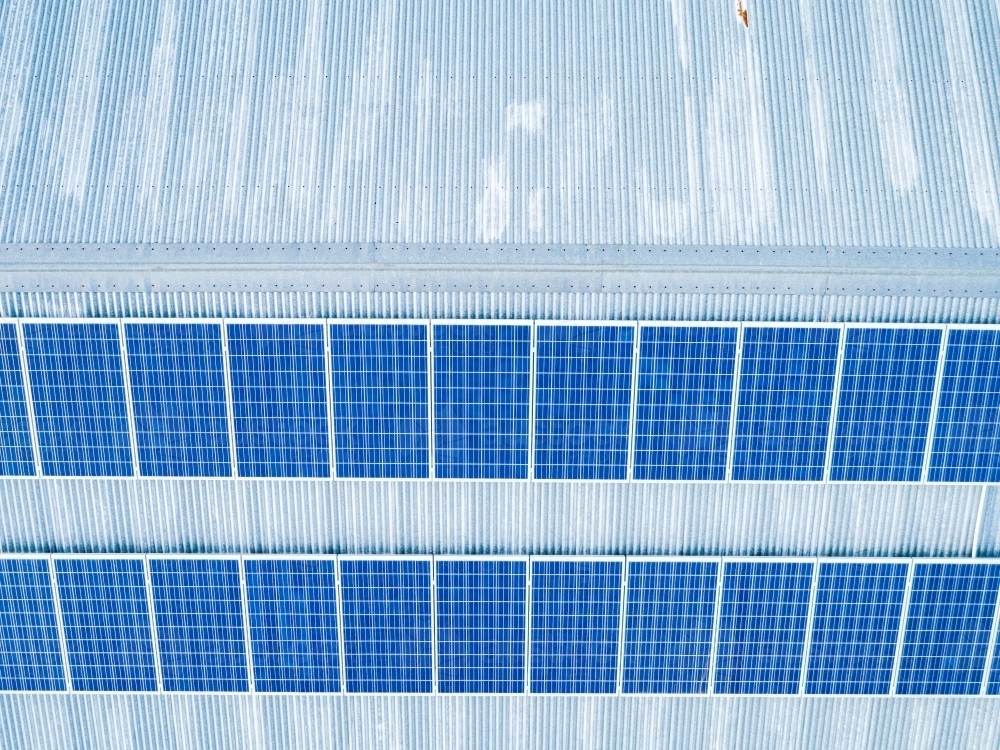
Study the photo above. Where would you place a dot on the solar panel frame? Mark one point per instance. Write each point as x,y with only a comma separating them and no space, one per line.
304,469
226,387
905,622
835,404
152,623
526,559
110,385
529,632
845,439
733,393
146,598
937,459
737,406
612,436
802,659
63,676
17,382
991,671
427,324
429,559
150,559
935,404
894,661
129,405
333,560
227,377
502,323
713,633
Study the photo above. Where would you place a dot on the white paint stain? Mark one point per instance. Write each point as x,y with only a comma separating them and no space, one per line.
525,115
889,99
493,208
82,93
969,115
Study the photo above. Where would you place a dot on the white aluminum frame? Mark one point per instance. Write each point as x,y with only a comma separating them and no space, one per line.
227,376
904,617
810,619
835,403
129,406
992,662
60,625
935,401
29,398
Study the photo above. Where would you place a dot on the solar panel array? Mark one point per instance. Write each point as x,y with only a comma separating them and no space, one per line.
542,625
511,401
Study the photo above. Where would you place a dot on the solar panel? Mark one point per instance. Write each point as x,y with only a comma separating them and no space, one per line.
966,444
993,686
387,625
575,608
278,381
482,396
582,395
684,399
15,431
762,627
785,396
948,629
292,605
199,624
668,626
179,399
886,391
855,627
106,623
481,611
79,398
30,655
380,400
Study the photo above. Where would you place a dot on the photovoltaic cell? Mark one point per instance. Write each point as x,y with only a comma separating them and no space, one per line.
279,400
582,395
30,657
886,390
387,625
855,628
15,432
481,617
481,400
762,628
199,624
380,400
179,399
685,394
668,626
948,629
785,396
966,444
106,622
575,606
293,625
79,397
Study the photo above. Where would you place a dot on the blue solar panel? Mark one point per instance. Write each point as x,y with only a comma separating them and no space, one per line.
685,394
668,626
380,400
106,622
948,629
762,628
481,400
481,607
15,432
966,444
179,399
855,627
786,392
387,625
199,624
279,400
575,608
292,606
993,686
79,397
582,394
30,656
885,404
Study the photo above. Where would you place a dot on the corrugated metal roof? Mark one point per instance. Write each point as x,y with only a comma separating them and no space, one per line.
181,722
841,124
458,517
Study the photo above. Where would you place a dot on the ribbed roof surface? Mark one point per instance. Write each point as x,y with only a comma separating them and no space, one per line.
845,124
